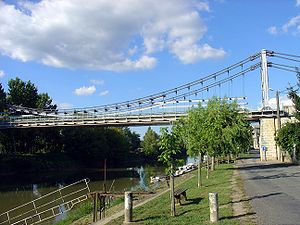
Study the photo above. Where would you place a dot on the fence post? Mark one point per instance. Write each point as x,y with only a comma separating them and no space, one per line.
294,154
95,197
128,207
213,206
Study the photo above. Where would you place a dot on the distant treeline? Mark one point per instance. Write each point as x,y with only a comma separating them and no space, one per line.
86,146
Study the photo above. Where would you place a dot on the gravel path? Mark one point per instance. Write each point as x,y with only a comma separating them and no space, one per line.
135,205
274,190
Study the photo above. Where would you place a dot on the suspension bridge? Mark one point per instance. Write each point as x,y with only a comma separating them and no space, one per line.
167,106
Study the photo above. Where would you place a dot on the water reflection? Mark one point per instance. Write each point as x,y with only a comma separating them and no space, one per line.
142,179
20,189
35,191
62,209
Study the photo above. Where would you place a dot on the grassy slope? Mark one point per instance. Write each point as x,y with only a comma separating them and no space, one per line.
195,210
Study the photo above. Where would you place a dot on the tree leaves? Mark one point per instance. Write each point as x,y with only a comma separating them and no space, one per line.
169,146
26,94
2,99
287,136
217,129
150,143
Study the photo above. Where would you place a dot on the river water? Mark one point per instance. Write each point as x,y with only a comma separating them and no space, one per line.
19,189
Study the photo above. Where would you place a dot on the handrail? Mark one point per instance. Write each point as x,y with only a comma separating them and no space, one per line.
34,212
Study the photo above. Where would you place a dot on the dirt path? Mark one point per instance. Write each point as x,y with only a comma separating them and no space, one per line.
242,209
138,204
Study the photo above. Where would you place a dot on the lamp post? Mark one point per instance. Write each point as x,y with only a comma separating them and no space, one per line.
278,151
278,124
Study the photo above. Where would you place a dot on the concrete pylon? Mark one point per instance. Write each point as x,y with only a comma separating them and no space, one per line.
264,79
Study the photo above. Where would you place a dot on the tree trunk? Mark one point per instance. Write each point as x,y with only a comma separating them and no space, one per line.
199,171
172,192
212,163
207,163
228,158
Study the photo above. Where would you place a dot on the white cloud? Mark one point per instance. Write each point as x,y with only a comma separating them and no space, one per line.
272,30
103,93
297,2
191,53
97,82
145,62
85,90
104,34
2,74
291,26
293,22
64,105
283,101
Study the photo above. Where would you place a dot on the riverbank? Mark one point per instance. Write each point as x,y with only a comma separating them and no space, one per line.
12,164
32,163
193,211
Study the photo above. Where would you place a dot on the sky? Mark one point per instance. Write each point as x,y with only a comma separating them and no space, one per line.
97,52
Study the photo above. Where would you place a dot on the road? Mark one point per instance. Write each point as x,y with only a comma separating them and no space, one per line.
274,190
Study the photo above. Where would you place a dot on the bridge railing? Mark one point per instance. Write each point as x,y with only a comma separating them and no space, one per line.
157,110
48,206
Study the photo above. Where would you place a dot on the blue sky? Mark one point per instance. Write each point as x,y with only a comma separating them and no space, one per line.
110,51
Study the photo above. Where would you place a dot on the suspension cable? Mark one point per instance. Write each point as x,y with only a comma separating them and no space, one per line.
286,54
285,69
290,59
283,65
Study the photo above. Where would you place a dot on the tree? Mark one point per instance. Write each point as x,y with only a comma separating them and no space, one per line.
295,99
169,145
2,99
22,93
133,139
150,143
217,129
33,140
289,134
44,102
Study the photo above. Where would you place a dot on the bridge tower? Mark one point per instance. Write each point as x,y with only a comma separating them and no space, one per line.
264,79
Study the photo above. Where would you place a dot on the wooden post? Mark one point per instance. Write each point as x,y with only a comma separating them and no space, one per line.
214,207
212,168
95,207
199,171
128,207
207,163
173,213
294,154
104,176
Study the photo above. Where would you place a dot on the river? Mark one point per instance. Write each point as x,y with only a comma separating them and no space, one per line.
19,189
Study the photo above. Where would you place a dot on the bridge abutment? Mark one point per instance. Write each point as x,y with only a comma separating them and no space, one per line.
268,129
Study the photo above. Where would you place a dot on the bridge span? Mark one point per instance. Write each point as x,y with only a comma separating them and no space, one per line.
144,119
167,106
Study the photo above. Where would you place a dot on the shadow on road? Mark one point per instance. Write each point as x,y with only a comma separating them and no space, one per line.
264,166
256,197
238,216
276,176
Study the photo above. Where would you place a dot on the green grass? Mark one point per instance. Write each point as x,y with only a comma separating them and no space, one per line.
246,202
245,156
81,211
196,209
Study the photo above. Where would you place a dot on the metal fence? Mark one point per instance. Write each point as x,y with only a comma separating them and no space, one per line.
48,206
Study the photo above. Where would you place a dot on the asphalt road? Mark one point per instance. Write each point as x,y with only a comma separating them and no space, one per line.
274,190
